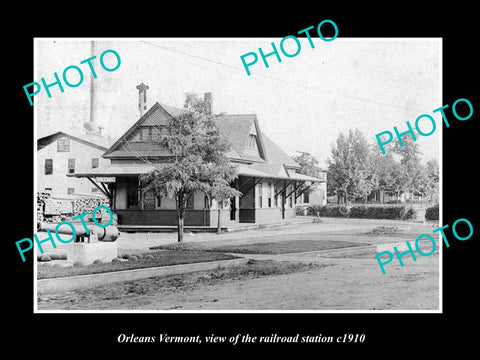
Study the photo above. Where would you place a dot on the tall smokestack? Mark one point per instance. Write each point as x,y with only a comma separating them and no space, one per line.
142,98
91,125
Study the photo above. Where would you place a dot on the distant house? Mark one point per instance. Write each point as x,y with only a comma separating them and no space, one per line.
60,154
268,177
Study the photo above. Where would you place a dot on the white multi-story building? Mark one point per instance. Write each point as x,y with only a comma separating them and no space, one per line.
60,154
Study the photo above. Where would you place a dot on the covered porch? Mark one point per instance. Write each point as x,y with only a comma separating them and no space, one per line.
265,199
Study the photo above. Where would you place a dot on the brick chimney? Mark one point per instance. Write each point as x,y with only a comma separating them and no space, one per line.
207,97
142,98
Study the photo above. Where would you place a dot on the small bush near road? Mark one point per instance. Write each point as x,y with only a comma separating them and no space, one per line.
410,214
432,213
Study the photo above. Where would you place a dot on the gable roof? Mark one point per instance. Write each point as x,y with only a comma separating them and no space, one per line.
156,115
278,160
235,128
97,142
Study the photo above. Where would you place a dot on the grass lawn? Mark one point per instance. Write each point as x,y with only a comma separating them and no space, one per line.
116,295
272,248
160,258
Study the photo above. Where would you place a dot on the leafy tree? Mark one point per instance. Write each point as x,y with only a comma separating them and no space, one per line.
387,172
349,170
365,179
308,166
409,161
339,169
432,179
421,182
198,163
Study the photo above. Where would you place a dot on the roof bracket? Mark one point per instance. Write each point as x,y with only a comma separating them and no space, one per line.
104,190
295,189
283,189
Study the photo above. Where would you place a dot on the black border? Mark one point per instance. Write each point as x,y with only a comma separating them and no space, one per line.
95,333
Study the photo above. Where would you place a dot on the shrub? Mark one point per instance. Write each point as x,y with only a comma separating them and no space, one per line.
97,261
45,258
410,214
313,209
334,211
58,256
363,211
377,212
432,213
328,211
359,211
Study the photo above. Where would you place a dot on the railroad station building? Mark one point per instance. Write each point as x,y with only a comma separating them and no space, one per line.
267,177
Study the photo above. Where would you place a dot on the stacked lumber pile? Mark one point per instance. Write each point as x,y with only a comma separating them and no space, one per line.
55,210
42,196
58,207
88,204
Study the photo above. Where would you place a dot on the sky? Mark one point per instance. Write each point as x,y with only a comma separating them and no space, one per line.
302,103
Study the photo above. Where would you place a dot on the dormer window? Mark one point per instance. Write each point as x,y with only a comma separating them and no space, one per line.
145,133
252,141
152,133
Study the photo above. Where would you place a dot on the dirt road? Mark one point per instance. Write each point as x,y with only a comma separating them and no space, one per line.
339,284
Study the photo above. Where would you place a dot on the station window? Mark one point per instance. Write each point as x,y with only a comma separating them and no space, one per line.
306,197
270,189
260,195
189,204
